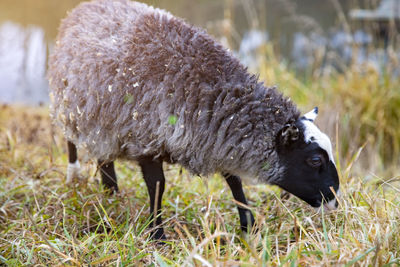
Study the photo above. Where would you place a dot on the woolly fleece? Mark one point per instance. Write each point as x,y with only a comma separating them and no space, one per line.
128,80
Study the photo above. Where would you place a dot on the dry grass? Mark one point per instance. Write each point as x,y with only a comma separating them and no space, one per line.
44,222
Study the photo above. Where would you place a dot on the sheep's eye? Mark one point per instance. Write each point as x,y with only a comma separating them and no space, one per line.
315,161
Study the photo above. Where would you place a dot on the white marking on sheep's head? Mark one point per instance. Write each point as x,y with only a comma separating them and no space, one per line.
306,155
311,115
313,134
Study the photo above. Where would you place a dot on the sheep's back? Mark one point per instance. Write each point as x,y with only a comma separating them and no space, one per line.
122,72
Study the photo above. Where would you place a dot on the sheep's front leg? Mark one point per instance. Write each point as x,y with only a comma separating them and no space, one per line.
246,217
155,181
108,176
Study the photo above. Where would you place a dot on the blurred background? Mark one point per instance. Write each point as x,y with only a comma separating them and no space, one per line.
342,55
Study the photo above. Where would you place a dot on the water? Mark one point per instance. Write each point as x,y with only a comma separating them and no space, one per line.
300,30
22,64
28,29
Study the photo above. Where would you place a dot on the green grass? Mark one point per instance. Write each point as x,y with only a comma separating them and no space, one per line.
45,222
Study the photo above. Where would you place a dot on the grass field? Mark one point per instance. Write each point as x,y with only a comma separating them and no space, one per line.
45,222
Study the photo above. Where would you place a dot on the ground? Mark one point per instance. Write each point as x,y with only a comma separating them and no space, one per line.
44,221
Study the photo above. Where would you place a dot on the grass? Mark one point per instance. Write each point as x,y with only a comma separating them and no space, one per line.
45,222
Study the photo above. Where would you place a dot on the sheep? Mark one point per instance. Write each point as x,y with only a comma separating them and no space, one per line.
129,81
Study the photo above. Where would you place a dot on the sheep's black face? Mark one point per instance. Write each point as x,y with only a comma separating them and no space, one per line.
306,154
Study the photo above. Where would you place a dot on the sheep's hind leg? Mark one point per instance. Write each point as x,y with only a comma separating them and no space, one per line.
246,217
155,181
73,162
108,176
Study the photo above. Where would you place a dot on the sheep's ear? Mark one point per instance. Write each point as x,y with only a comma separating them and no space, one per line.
311,115
289,134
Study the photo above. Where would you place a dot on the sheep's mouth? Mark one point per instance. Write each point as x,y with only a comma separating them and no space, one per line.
327,207
330,205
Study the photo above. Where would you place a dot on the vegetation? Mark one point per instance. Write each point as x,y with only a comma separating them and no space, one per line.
44,222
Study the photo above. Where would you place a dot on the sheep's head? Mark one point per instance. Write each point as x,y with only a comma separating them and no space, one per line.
309,167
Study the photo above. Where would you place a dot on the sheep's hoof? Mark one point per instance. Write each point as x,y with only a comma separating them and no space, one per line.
247,228
111,191
246,220
74,180
73,172
158,235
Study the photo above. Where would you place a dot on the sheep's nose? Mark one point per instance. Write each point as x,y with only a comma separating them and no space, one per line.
332,204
